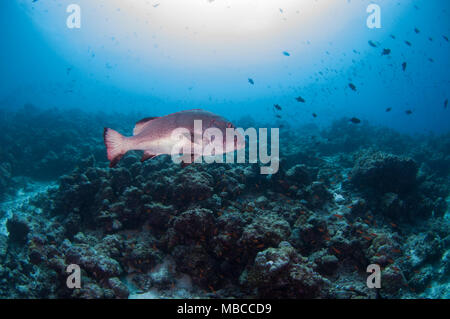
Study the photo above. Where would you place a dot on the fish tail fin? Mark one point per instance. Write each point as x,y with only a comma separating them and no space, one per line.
116,146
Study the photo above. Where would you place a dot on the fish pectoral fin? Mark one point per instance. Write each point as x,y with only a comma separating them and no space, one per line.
141,124
147,156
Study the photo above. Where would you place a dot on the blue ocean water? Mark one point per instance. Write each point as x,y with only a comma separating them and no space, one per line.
364,174
160,59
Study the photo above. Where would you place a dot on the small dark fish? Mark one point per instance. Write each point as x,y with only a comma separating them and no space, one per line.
445,38
445,103
408,43
372,44
300,99
286,53
278,107
386,52
352,86
404,64
393,36
416,30
408,112
314,115
251,81
431,60
389,109
278,116
355,120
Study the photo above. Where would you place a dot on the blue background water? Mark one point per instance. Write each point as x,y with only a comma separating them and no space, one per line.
162,58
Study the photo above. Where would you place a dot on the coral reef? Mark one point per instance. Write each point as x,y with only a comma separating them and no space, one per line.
345,197
282,272
385,173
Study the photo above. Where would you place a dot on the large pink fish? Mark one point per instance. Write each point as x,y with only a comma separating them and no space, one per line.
153,135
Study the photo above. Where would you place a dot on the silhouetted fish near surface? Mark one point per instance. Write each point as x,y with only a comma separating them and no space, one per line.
286,53
389,109
408,43
404,64
386,52
314,115
445,38
278,107
372,44
408,112
251,81
153,135
355,120
416,30
278,116
352,86
445,103
300,99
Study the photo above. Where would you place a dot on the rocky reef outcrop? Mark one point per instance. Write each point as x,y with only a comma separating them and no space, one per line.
385,173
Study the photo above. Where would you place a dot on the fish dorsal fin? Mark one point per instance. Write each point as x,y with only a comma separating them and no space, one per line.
140,125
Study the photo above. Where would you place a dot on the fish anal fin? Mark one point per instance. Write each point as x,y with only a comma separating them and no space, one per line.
147,156
188,159
141,124
184,164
